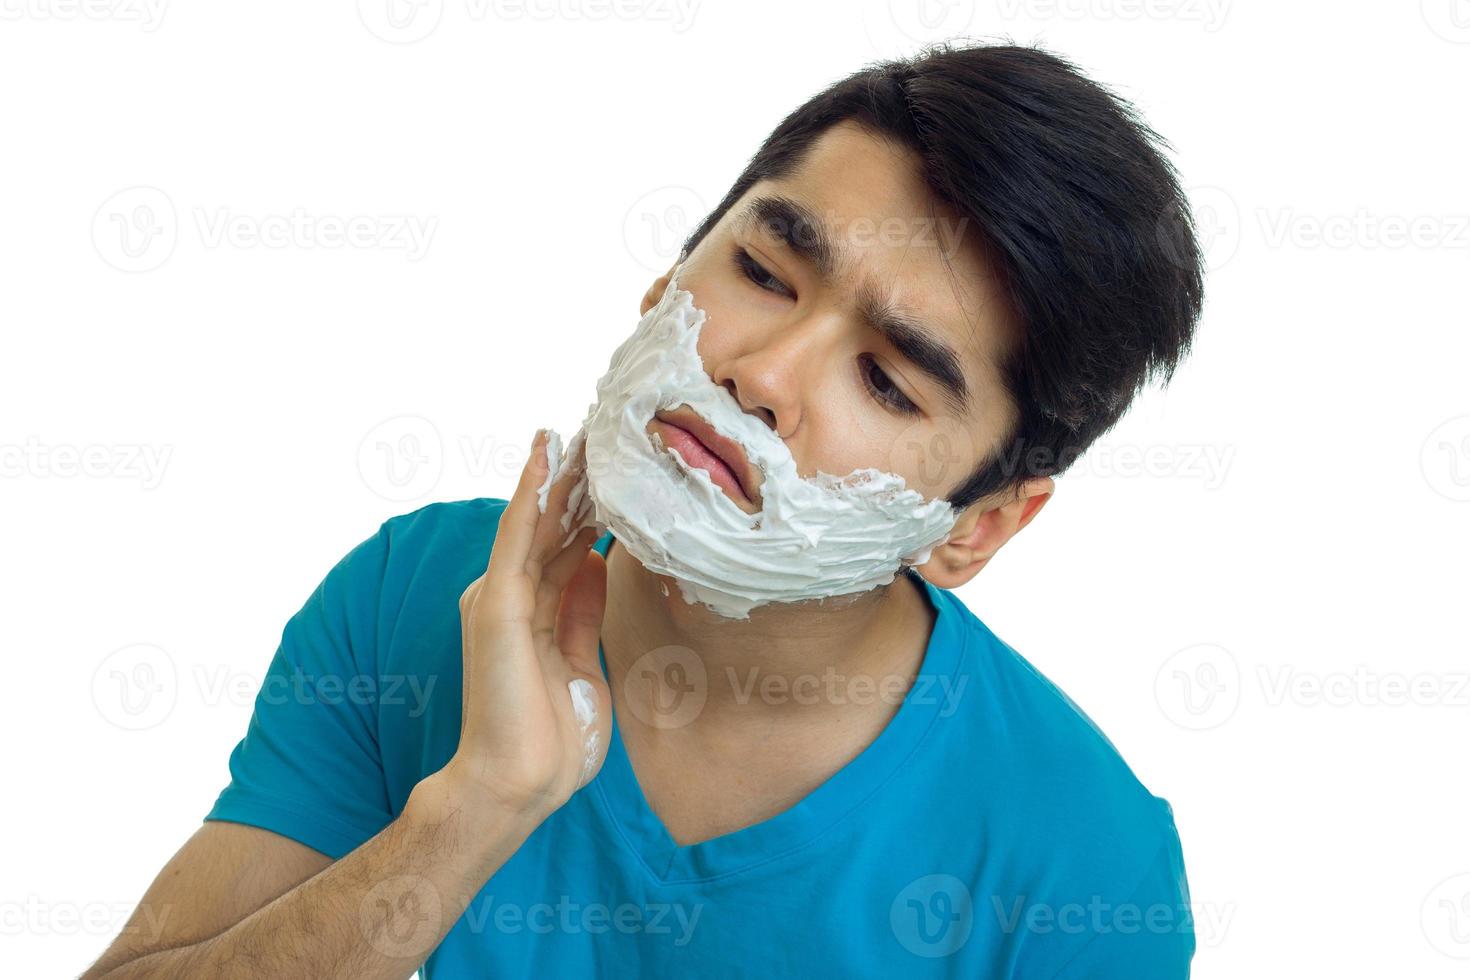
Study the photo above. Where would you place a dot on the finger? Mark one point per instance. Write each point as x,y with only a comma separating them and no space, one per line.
574,457
579,620
574,472
550,537
518,522
555,578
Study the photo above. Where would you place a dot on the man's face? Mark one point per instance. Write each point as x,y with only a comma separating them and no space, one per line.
793,326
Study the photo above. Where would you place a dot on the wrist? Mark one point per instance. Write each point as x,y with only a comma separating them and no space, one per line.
449,799
457,839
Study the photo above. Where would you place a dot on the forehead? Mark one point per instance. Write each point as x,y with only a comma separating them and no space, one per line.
891,238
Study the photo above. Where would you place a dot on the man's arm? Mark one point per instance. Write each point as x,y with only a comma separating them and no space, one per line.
223,872
534,726
237,901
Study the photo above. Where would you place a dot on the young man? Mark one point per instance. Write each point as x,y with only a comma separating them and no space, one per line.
554,765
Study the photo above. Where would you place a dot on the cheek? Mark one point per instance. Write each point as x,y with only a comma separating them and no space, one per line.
716,343
840,432
934,455
723,317
847,433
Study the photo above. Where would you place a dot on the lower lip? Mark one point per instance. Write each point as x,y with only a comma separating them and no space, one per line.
696,454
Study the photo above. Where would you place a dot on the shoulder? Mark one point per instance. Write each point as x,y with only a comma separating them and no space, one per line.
430,555
1078,854
1060,783
442,534
438,524
1052,746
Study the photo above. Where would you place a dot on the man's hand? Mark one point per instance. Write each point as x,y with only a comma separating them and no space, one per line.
536,713
530,640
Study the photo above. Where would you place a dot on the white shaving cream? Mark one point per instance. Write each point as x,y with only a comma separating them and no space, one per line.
814,537
584,706
553,460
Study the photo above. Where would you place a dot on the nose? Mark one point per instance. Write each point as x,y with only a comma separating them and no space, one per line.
766,414
768,374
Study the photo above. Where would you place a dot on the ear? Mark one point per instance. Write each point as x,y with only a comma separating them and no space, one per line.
656,291
981,531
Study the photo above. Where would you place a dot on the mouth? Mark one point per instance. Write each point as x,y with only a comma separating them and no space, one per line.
699,445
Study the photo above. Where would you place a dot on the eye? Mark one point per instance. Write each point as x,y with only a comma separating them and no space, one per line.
882,388
757,273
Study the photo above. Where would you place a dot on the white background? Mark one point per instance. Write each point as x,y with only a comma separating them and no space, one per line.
1258,605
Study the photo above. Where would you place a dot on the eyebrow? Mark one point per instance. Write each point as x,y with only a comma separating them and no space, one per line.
802,232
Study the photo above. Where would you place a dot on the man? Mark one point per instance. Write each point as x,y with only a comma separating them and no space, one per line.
556,766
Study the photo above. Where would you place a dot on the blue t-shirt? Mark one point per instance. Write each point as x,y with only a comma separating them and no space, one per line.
990,830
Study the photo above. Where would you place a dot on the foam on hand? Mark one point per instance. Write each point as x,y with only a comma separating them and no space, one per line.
584,708
553,468
814,537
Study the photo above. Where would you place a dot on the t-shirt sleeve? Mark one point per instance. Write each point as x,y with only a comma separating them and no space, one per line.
1149,935
309,766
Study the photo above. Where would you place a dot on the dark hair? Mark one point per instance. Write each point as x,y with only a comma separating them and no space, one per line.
1091,230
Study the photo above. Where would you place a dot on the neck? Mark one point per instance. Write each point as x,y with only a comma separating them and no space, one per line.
798,662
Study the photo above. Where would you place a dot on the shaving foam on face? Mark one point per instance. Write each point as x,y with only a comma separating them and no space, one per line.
814,537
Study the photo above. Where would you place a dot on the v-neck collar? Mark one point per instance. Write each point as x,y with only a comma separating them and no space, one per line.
623,804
